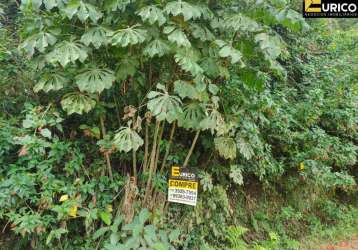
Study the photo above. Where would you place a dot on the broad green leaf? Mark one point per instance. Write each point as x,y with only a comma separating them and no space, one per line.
50,81
187,60
177,36
50,4
213,121
206,181
188,11
226,50
174,235
236,174
55,233
156,47
114,5
270,45
96,36
193,114
126,139
46,133
226,147
152,14
66,52
239,22
252,78
213,89
143,216
77,103
202,33
95,80
127,67
100,232
82,10
164,106
106,217
39,41
185,89
244,148
129,36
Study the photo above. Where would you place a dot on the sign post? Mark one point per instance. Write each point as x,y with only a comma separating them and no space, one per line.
183,186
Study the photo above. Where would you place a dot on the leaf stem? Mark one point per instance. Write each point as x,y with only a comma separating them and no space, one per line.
167,150
191,149
152,162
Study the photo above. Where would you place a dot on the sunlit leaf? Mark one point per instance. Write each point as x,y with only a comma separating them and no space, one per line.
126,139
129,36
152,14
95,80
77,103
226,147
164,106
50,81
66,52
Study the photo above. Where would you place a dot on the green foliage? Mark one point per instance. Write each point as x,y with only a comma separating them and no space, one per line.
164,106
266,113
126,139
137,235
77,103
94,80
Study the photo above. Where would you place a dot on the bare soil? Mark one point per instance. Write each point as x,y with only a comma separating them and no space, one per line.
351,244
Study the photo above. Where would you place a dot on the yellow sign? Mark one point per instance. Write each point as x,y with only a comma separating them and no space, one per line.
312,6
183,184
175,171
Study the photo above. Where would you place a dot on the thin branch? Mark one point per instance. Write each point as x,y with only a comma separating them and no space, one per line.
146,146
152,162
167,150
106,156
191,149
134,163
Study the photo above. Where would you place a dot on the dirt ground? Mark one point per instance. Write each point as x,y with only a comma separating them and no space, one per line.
351,244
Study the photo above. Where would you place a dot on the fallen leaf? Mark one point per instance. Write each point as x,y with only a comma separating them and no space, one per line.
63,198
73,211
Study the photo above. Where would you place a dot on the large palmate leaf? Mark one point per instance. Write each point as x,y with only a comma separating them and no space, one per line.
270,45
95,80
77,103
177,36
82,10
126,139
226,50
66,52
185,89
188,11
226,147
244,147
114,5
239,22
236,174
49,4
202,33
50,81
129,36
193,114
127,67
152,14
164,106
156,47
39,41
214,121
187,60
96,36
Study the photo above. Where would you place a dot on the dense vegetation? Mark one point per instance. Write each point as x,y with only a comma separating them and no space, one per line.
100,98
